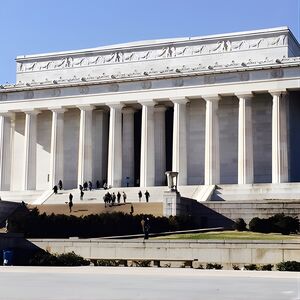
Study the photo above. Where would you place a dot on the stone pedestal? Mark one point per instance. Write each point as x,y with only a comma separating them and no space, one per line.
172,205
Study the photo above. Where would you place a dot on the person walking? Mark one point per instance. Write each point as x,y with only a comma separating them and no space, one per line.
60,185
81,194
119,197
90,185
55,189
131,210
113,198
140,196
70,202
147,196
124,197
146,229
80,187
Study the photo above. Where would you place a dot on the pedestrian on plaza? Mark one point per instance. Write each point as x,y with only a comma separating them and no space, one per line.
124,197
60,185
85,186
140,196
105,186
143,225
70,202
131,209
147,195
81,194
118,197
98,184
55,189
90,185
146,229
113,198
80,187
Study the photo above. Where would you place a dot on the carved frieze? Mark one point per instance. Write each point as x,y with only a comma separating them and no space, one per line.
192,48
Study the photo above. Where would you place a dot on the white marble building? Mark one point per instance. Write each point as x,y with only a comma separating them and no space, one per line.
218,109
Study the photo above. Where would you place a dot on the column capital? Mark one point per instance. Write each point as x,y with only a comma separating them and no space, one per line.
244,95
179,100
86,107
160,107
7,113
31,111
278,92
147,102
213,98
128,110
58,109
116,105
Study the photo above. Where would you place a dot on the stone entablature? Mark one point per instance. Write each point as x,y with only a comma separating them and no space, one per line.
136,58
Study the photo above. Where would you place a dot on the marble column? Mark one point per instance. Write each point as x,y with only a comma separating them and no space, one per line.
279,137
114,172
160,144
212,152
147,171
245,140
128,146
85,153
29,171
57,146
179,157
100,144
5,150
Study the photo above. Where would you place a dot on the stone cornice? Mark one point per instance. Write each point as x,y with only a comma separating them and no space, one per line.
155,50
181,71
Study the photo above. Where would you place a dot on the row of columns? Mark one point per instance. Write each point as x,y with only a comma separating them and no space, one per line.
123,155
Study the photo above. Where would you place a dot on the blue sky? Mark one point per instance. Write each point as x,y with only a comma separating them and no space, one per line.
39,26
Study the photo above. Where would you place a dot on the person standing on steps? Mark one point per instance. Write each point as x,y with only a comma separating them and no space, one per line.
140,196
113,198
81,194
70,202
119,197
147,195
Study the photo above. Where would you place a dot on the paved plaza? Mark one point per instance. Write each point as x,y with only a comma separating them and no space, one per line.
91,283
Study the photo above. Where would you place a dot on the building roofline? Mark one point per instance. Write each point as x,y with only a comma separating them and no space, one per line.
159,42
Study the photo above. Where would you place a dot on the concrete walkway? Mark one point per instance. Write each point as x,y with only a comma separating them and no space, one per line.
91,283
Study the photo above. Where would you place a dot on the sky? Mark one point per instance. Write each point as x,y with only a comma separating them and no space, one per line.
41,26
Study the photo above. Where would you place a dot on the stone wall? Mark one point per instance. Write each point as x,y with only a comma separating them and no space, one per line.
201,251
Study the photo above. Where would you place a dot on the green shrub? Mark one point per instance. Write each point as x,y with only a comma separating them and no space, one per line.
215,266
277,223
240,225
293,266
35,225
142,263
44,258
107,262
71,259
267,267
251,267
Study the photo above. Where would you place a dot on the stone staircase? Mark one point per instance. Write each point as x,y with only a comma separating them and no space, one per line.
96,196
19,196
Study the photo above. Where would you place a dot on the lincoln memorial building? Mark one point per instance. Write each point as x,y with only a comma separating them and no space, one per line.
219,109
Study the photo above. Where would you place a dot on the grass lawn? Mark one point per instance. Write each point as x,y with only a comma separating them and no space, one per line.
230,235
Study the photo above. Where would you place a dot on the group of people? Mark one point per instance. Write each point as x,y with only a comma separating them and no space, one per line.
112,198
147,195
58,186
